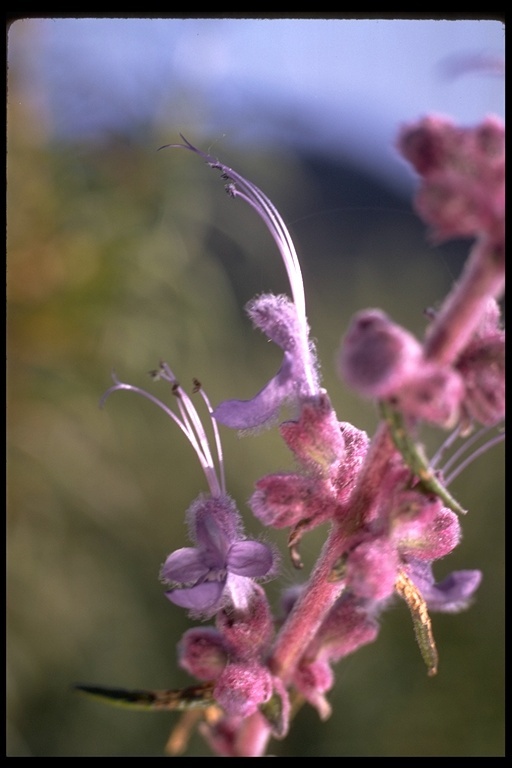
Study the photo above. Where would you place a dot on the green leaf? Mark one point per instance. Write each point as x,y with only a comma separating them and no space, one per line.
165,700
415,459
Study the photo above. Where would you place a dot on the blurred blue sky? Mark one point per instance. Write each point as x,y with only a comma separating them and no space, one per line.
346,85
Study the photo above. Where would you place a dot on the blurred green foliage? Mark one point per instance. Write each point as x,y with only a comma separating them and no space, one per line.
119,256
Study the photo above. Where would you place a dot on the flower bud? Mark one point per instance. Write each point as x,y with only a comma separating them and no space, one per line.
242,687
372,567
203,653
377,356
316,438
281,500
249,633
424,529
463,175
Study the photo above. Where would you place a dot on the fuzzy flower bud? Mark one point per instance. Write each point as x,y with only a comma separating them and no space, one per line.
463,176
433,394
281,500
242,687
350,624
377,355
381,360
203,653
289,499
249,633
427,530
312,679
372,567
315,438
356,446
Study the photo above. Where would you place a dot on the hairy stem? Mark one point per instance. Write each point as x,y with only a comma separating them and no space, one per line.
483,278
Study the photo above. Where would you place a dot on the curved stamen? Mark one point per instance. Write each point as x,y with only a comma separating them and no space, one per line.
188,411
499,438
189,423
452,437
238,186
468,443
216,435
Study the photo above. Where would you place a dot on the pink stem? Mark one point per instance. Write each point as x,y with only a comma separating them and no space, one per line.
300,628
483,278
321,593
309,611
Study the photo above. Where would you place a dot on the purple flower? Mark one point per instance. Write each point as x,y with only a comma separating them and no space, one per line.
282,320
277,317
220,569
451,595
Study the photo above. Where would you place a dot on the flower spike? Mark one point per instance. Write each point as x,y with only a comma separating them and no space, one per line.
390,514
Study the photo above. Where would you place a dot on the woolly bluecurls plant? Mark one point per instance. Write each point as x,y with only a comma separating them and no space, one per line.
390,512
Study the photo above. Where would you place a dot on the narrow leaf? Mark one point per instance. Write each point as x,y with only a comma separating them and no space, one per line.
415,459
420,620
165,700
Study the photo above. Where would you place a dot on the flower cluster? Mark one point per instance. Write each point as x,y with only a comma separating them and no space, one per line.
389,512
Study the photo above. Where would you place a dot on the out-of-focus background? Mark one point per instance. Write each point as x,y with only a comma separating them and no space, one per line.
119,256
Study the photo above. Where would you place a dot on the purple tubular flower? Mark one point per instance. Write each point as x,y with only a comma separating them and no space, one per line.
277,317
220,569
283,321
